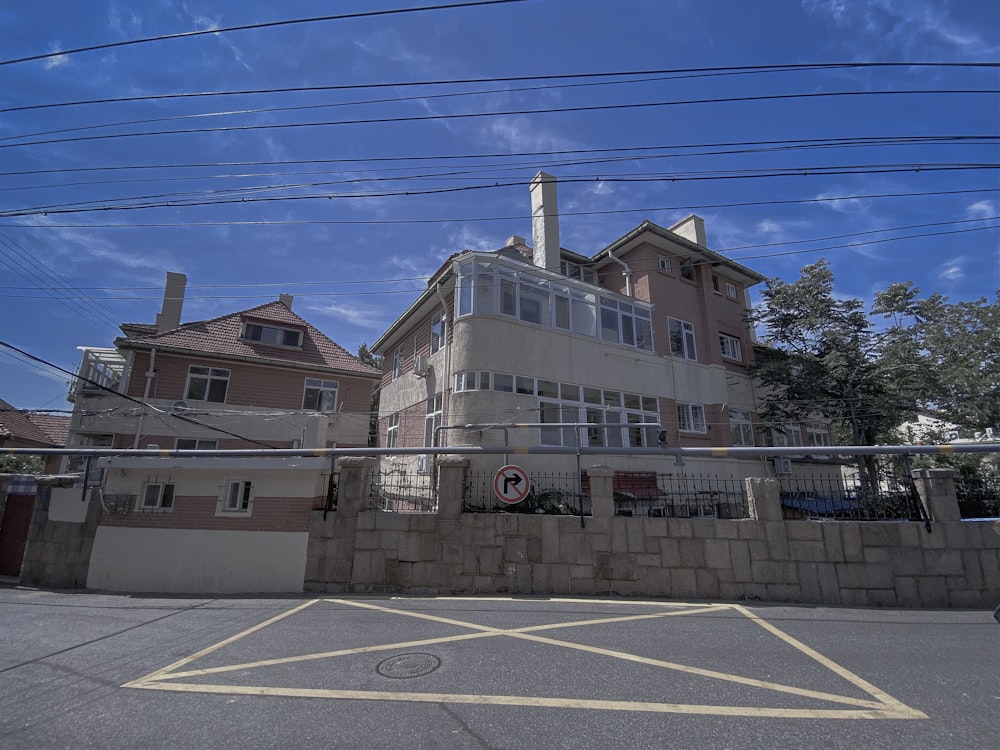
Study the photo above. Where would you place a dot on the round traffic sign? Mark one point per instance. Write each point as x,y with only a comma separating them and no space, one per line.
511,484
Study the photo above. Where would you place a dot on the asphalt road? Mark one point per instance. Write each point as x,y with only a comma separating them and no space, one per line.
80,670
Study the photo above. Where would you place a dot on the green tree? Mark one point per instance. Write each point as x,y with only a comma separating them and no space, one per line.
824,360
365,355
957,347
19,464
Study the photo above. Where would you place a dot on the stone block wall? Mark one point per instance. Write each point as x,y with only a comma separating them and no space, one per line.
853,563
58,552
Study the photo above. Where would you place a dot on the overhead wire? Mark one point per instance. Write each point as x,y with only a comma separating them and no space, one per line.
253,26
694,72
503,113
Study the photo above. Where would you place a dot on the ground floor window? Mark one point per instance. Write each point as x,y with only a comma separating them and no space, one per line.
691,418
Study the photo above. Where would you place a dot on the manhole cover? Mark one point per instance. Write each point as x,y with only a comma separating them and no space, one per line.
408,665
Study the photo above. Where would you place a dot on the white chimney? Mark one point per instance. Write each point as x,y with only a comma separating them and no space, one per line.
692,228
169,316
545,221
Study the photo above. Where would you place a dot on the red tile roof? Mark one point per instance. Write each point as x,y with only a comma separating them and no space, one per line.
221,336
43,430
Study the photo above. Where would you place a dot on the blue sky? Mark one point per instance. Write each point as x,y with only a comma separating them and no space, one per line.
353,240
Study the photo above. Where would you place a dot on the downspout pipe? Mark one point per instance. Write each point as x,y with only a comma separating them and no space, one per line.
627,273
150,374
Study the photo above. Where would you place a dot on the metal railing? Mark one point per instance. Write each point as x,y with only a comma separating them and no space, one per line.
845,497
553,494
401,491
681,496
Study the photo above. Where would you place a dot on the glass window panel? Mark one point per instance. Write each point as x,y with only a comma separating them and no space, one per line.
526,385
562,313
569,392
632,401
503,383
548,389
584,317
609,325
592,396
612,398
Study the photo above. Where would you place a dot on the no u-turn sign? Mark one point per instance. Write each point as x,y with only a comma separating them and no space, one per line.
511,484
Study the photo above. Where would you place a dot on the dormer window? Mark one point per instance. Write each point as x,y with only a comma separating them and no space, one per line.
272,335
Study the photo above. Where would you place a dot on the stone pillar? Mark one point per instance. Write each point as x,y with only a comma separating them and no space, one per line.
355,484
602,499
451,486
936,488
764,498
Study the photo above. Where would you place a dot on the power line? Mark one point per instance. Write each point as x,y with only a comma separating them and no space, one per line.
518,217
623,152
248,27
504,113
678,72
421,289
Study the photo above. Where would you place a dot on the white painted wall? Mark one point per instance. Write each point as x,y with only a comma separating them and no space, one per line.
65,505
196,561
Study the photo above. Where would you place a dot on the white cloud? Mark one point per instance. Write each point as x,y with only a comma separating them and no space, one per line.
520,134
387,44
981,210
911,26
953,269
365,316
56,61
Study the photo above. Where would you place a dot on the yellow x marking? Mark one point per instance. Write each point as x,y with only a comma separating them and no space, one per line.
880,706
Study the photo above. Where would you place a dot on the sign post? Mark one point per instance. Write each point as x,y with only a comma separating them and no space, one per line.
511,484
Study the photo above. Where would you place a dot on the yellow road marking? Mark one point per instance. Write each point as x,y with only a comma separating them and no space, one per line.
883,707
222,644
535,702
879,695
486,632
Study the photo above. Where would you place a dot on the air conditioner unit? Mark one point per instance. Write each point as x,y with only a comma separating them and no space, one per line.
782,466
180,408
420,366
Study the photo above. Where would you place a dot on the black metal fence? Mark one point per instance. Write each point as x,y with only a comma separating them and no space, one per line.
978,494
401,491
680,496
886,496
554,494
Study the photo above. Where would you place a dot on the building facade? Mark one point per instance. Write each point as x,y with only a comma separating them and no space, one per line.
258,378
644,344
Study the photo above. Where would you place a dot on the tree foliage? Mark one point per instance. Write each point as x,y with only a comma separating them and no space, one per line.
828,359
19,464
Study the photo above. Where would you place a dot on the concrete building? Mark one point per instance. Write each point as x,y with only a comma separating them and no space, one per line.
262,377
642,344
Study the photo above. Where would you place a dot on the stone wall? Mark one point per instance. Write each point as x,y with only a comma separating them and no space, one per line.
854,563
58,552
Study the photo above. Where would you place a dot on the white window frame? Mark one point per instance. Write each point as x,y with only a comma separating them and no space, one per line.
787,435
210,375
392,430
162,497
731,291
323,390
741,424
199,445
272,335
439,330
691,418
435,414
683,342
663,263
397,362
236,498
817,434
731,346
